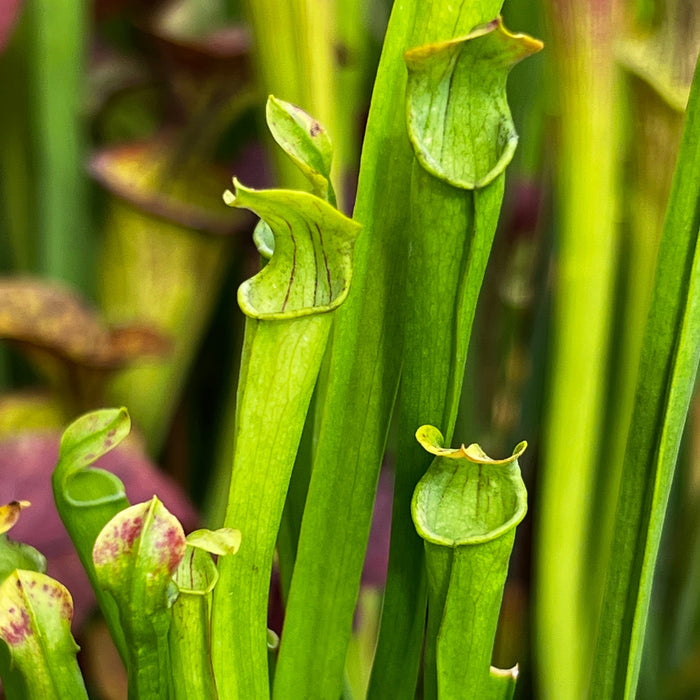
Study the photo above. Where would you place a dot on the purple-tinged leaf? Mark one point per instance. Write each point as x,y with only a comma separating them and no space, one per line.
135,556
144,541
35,617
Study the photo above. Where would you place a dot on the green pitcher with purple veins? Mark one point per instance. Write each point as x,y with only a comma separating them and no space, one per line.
289,309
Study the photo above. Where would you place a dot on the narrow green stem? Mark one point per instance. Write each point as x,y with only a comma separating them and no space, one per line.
288,307
57,73
189,648
466,508
364,371
268,432
149,667
18,221
298,65
668,368
448,267
581,325
468,627
455,203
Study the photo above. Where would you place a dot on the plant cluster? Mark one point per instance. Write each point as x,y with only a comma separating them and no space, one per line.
365,343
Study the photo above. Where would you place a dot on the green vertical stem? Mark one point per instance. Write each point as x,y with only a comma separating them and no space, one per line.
475,590
57,72
268,434
668,368
447,271
288,307
299,66
465,508
364,370
294,505
586,256
17,217
659,62
351,53
450,236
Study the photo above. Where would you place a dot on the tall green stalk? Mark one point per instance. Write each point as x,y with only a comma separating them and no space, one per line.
296,65
57,73
364,365
317,54
670,356
466,508
450,237
586,250
17,223
288,307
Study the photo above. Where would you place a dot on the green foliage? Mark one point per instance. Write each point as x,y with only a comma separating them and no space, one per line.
423,309
288,307
668,367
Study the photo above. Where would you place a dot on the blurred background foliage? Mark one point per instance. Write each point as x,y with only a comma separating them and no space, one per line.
121,123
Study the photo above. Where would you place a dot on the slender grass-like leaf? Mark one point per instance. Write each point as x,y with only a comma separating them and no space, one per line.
585,276
57,73
667,373
298,66
19,216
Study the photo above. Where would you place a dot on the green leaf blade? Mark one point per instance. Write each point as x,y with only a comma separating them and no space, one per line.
290,306
364,372
668,368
